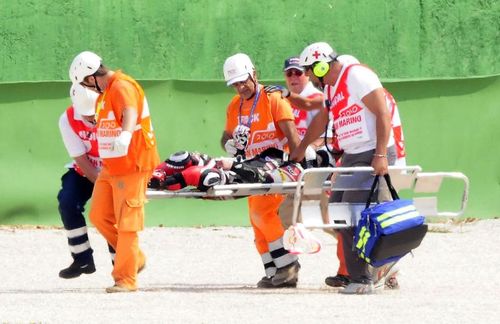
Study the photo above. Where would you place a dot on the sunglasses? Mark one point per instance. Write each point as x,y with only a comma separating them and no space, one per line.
298,73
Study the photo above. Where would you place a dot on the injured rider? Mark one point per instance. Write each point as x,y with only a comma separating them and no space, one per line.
192,169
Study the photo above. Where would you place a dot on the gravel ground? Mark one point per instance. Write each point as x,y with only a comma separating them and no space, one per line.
208,275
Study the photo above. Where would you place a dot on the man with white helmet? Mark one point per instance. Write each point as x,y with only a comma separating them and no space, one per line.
342,277
309,104
256,121
127,147
78,131
357,105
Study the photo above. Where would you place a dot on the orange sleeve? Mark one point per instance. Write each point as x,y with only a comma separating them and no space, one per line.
280,108
124,94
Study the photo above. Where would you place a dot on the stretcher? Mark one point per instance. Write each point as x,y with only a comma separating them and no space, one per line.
315,181
422,187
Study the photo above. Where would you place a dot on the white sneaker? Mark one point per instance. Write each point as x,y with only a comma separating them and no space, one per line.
391,280
386,276
355,288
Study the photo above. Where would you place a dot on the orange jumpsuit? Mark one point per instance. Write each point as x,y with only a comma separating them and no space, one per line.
264,133
119,195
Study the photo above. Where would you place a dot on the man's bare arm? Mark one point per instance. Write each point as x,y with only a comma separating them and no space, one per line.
288,128
375,101
314,131
89,170
304,103
224,138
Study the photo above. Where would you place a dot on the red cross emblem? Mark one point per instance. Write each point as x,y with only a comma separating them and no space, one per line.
316,54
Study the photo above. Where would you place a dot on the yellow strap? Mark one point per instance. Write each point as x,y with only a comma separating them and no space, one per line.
361,235
399,218
364,235
396,212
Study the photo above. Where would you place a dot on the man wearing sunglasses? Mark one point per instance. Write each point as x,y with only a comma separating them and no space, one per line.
298,84
306,101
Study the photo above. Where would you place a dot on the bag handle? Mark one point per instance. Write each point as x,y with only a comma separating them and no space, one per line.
393,191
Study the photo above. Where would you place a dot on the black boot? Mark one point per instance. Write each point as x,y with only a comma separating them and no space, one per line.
77,268
287,274
338,281
267,282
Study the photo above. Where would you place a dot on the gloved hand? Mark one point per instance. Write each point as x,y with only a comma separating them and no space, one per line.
247,173
211,177
310,153
310,158
122,142
324,158
157,180
240,136
285,93
230,147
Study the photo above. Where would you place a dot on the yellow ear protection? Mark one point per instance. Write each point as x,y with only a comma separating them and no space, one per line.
320,69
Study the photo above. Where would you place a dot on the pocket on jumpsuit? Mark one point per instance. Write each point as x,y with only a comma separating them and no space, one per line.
132,217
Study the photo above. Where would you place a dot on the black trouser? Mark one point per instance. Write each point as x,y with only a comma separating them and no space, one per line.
358,269
75,192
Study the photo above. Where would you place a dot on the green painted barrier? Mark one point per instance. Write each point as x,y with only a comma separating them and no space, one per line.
449,126
189,40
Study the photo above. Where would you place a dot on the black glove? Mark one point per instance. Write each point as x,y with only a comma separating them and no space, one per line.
324,158
157,180
246,173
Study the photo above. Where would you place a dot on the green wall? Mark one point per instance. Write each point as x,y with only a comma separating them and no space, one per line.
449,126
189,40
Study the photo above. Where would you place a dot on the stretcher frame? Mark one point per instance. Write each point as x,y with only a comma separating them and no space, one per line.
316,181
342,215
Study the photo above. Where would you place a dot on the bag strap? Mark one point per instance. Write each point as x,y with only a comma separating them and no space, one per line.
393,191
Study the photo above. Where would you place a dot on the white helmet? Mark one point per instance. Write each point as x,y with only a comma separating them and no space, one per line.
83,100
347,59
317,52
84,64
237,68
